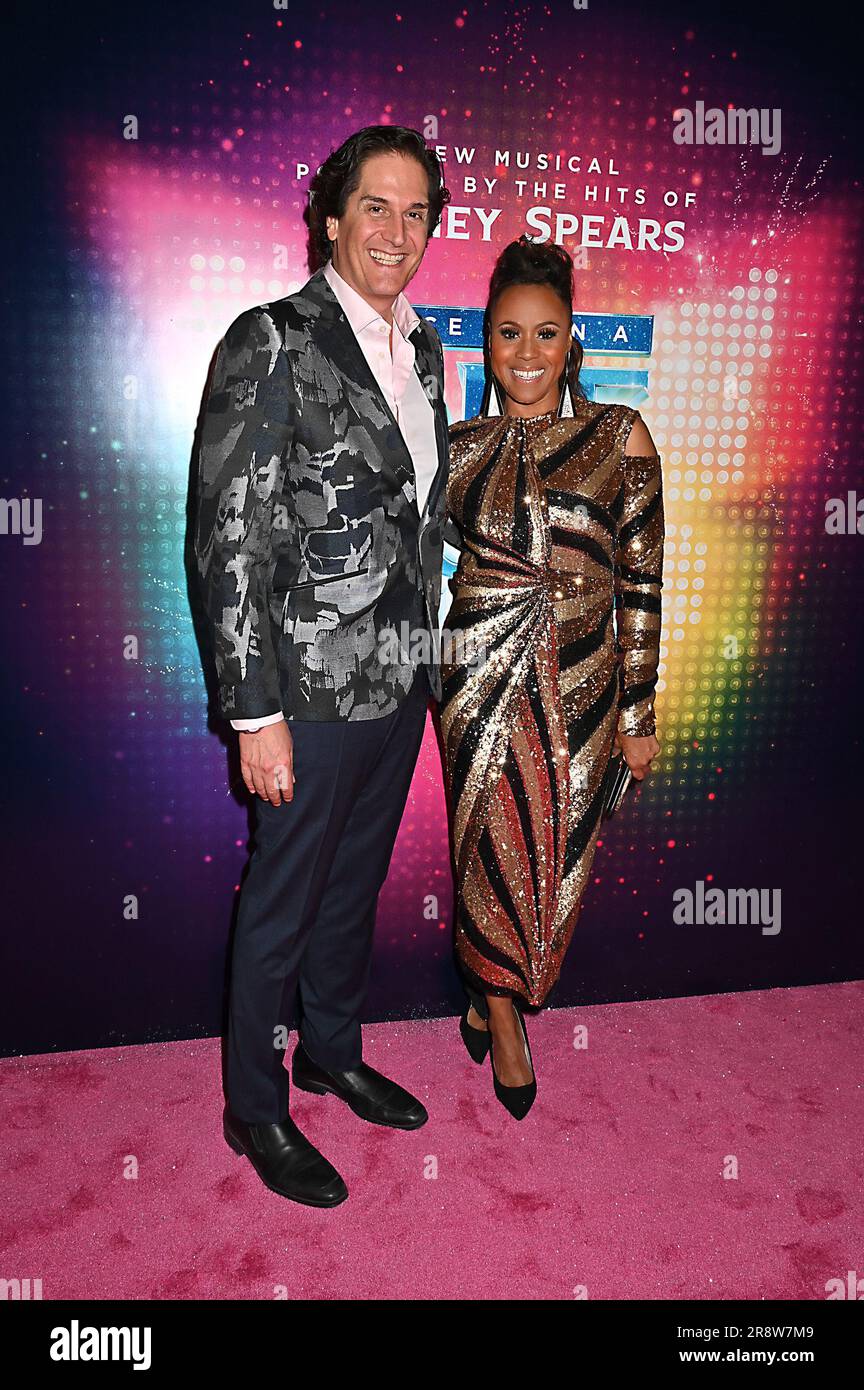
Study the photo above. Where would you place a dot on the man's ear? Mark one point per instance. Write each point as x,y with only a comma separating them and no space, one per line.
332,227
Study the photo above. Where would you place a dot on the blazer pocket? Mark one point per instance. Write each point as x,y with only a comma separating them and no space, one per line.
313,583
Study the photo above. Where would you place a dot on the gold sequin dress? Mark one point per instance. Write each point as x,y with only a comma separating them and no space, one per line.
561,540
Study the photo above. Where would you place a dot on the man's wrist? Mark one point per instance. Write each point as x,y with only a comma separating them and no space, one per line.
254,726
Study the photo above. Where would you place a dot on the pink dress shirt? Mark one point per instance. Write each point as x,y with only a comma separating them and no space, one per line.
391,362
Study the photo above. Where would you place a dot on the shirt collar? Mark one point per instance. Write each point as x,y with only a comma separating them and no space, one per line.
360,313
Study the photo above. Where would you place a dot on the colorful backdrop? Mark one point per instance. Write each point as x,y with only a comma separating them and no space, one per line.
161,160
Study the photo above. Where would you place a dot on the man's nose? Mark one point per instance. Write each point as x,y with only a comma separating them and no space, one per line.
394,230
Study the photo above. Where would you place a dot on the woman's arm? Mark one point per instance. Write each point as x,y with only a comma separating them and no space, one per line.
639,572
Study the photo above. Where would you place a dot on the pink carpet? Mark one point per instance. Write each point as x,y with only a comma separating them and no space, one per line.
614,1183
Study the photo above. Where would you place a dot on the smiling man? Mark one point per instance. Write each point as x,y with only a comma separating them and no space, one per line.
378,241
321,467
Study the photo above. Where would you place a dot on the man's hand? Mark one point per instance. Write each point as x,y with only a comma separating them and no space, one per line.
267,762
638,752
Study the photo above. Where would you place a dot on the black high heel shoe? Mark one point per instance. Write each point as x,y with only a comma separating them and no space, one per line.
516,1099
475,1039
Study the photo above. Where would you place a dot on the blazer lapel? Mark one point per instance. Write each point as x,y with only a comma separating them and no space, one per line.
426,367
335,338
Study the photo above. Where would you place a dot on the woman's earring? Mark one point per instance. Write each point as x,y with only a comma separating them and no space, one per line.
565,402
491,404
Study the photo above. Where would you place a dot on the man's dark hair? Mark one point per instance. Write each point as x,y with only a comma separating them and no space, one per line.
339,177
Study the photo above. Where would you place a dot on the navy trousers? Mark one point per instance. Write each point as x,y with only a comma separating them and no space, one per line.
307,908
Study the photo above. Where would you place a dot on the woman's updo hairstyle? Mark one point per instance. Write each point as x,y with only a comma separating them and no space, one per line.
527,262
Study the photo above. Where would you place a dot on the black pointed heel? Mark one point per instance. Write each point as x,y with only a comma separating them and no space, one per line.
475,1039
515,1099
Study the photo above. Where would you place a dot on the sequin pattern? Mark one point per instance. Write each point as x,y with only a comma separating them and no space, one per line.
553,642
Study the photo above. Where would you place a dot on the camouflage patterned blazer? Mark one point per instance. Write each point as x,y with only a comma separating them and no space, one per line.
318,573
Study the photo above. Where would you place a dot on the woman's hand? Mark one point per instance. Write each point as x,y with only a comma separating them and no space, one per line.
638,752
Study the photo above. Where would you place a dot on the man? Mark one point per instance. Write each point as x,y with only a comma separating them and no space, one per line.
321,487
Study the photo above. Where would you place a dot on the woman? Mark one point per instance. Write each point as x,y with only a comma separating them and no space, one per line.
556,504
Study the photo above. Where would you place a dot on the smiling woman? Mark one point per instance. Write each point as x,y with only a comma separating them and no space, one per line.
559,503
530,349
530,336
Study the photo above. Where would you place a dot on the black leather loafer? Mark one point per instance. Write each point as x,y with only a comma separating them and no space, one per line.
286,1161
369,1094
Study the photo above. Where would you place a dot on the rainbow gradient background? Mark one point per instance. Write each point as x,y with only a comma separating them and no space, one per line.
130,257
